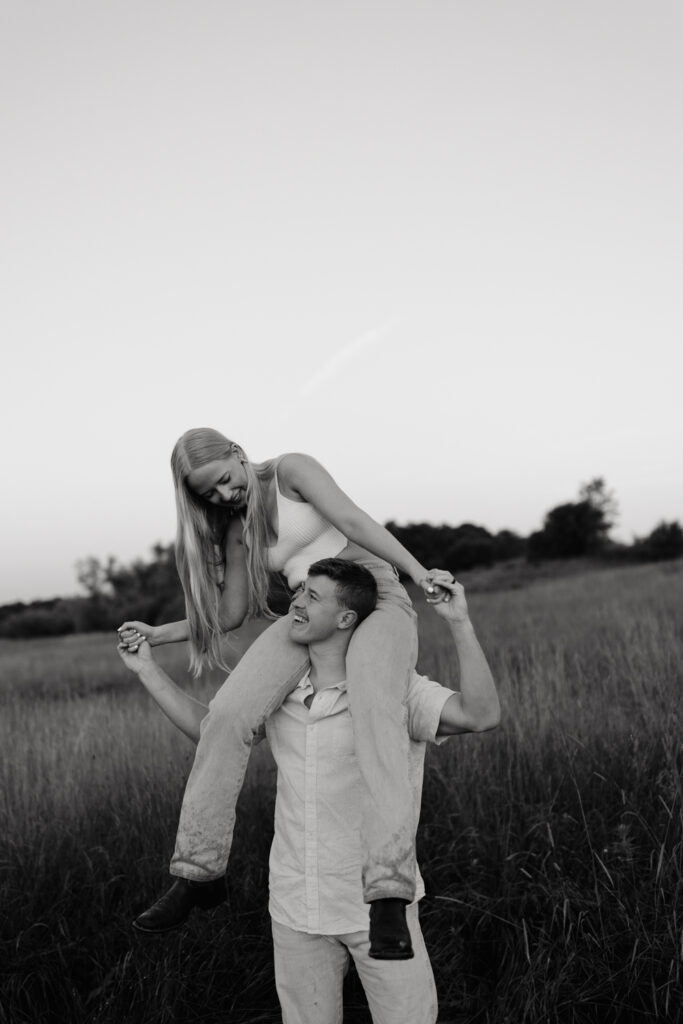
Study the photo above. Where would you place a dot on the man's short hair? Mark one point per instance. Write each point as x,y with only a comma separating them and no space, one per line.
356,586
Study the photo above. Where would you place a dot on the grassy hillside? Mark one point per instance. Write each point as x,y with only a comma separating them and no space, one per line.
552,848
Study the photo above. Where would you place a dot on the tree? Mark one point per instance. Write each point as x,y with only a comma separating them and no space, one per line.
596,494
576,528
469,546
665,541
448,547
40,618
457,547
508,545
91,575
147,590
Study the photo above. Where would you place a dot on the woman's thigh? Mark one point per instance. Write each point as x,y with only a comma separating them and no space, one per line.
268,670
390,590
383,651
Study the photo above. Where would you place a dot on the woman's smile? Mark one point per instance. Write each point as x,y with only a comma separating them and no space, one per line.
222,482
235,499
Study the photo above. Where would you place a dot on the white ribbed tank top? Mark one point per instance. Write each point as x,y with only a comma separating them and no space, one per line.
303,537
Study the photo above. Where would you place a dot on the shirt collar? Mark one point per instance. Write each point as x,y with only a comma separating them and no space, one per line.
306,685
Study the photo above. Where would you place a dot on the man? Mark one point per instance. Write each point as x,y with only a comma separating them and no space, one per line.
318,915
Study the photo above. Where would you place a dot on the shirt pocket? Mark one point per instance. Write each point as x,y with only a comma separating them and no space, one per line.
342,745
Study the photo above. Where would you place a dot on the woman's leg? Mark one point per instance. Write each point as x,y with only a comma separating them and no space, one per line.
263,677
380,662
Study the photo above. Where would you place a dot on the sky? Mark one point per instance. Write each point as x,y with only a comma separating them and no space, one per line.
435,244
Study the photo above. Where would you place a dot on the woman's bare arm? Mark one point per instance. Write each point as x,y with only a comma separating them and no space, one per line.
307,478
234,600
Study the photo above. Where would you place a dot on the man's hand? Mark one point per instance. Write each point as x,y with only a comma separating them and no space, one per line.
184,711
136,662
475,707
433,584
452,607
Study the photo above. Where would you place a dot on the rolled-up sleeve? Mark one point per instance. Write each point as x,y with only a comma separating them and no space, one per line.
425,703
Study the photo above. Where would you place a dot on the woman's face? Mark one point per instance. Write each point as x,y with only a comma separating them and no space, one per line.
223,482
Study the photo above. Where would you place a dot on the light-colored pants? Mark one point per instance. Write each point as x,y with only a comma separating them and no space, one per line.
380,660
310,971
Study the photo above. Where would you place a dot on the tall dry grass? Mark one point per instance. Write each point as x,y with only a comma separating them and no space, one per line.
552,848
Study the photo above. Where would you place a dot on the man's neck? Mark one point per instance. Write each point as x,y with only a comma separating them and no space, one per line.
328,662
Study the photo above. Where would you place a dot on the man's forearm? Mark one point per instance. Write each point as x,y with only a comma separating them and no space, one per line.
184,711
477,688
475,707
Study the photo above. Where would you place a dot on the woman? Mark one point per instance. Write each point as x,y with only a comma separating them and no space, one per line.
237,522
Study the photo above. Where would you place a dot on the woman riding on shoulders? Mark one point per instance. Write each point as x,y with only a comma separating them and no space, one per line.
237,522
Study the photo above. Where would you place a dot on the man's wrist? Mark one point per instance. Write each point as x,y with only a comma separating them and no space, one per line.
462,628
150,673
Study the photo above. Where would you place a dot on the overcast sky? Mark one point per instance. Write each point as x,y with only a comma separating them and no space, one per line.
437,245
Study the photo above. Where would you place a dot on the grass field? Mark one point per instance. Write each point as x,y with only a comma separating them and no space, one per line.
552,849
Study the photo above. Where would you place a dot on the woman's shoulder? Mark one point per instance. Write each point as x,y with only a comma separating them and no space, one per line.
292,463
297,472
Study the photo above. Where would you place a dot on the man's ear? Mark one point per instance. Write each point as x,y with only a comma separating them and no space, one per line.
347,619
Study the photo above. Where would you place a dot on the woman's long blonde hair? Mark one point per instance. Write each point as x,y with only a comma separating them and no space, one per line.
200,543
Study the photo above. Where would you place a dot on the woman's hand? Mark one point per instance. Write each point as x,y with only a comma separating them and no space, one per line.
132,634
431,585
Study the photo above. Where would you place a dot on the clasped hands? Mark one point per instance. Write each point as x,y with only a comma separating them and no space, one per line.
437,585
132,634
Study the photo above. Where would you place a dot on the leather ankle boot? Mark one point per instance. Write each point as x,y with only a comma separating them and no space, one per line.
173,908
389,934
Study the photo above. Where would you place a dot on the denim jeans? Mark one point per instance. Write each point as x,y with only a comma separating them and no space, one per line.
310,971
380,661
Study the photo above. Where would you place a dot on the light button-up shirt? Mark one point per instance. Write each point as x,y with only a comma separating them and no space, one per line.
315,859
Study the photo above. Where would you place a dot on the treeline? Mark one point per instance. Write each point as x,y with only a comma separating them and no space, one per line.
151,591
458,547
147,590
576,529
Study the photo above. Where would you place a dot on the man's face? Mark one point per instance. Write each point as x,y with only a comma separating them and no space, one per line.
317,611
